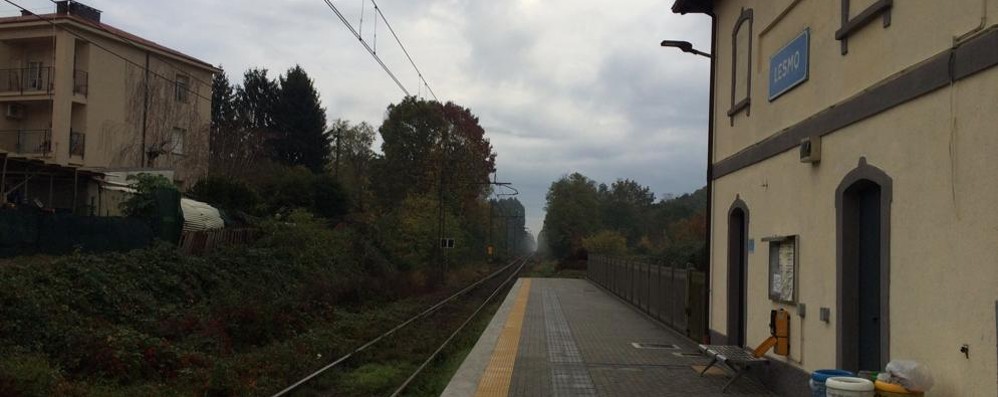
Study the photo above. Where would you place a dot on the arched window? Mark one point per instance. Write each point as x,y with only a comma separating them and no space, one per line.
741,64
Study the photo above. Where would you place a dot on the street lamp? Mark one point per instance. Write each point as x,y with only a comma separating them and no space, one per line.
684,46
687,47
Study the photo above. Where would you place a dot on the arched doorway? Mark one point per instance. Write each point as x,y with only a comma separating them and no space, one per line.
738,220
863,202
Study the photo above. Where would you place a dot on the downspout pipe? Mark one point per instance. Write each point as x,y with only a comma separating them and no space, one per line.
708,282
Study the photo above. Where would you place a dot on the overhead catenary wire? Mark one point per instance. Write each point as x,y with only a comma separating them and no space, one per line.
366,46
404,50
98,45
454,334
370,343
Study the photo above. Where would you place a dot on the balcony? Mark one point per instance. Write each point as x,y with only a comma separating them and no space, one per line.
81,81
33,142
34,80
39,80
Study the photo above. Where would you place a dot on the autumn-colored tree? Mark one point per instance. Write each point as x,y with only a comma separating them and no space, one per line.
427,145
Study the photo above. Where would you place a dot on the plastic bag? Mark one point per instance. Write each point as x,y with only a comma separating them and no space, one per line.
910,374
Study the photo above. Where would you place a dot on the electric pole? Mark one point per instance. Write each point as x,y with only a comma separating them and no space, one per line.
337,134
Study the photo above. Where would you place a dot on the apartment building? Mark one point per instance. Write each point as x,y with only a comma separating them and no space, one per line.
852,176
80,96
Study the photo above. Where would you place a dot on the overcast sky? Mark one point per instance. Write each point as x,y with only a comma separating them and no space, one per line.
559,85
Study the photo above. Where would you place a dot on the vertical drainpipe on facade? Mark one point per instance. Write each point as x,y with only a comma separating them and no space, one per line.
708,281
145,111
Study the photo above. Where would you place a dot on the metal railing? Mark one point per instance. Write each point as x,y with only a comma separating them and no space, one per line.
81,82
26,141
40,80
673,295
77,143
31,80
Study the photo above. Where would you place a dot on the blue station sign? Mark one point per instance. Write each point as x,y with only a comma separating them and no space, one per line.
789,67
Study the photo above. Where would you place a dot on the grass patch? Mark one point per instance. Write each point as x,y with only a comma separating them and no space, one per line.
552,269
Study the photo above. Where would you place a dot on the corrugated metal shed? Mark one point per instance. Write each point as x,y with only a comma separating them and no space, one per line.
200,216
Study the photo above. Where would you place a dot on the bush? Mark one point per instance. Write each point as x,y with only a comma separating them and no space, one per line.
27,375
330,199
606,243
226,193
142,204
288,188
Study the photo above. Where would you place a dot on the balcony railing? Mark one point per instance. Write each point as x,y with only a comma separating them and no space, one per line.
81,82
27,141
77,143
30,80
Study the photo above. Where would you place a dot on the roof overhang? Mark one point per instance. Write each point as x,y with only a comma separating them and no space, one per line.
693,6
102,29
38,165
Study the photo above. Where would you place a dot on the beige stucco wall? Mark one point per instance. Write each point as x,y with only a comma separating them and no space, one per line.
919,29
938,149
111,113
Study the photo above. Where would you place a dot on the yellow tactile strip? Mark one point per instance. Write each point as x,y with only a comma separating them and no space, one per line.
495,381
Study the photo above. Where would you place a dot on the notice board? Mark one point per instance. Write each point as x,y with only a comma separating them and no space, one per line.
783,269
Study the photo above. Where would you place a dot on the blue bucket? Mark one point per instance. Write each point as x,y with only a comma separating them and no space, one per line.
819,377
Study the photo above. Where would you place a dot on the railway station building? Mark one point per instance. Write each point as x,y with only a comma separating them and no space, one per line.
852,169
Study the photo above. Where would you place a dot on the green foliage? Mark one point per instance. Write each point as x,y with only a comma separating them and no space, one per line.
353,159
142,204
674,229
410,232
301,138
421,140
284,189
509,226
375,379
27,375
226,193
573,204
153,315
606,242
330,199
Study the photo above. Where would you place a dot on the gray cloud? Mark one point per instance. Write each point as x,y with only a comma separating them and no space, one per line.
560,85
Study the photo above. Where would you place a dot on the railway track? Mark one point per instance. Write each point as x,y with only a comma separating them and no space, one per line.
413,345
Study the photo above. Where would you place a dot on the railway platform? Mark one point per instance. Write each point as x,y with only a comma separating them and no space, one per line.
568,337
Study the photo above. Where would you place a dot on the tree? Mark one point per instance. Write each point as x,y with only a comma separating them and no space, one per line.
426,144
470,158
301,137
234,146
572,213
226,193
626,208
223,103
353,159
509,232
606,242
256,101
330,199
410,134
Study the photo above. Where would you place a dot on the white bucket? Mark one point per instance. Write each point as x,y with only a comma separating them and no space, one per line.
844,386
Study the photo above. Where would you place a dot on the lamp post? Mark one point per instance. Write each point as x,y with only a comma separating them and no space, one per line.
687,47
684,46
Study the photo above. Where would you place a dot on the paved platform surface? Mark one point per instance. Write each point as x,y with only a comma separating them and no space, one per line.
566,337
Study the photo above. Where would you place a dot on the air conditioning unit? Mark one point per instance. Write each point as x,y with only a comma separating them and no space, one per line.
15,111
810,150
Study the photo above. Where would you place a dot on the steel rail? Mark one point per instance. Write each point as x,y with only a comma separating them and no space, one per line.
459,329
422,314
